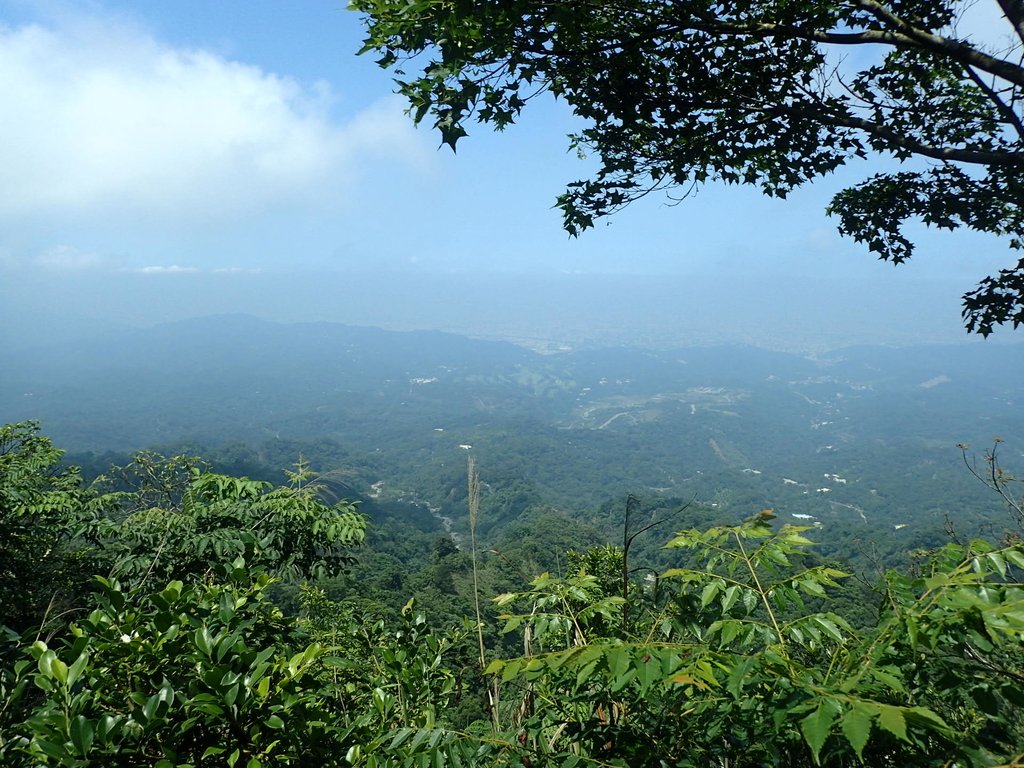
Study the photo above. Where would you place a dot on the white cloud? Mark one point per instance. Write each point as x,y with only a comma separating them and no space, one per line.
178,269
101,119
173,269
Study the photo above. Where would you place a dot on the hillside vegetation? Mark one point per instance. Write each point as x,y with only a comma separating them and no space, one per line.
147,633
837,588
390,417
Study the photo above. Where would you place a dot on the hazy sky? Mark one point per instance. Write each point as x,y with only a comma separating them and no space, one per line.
160,159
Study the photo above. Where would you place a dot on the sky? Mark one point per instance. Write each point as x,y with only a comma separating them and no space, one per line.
166,160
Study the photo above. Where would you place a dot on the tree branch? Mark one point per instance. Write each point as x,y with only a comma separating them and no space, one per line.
946,154
786,31
901,35
1005,110
954,49
1014,12
818,113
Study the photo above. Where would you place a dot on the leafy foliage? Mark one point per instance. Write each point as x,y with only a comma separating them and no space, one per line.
289,531
190,675
43,510
675,95
738,655
737,668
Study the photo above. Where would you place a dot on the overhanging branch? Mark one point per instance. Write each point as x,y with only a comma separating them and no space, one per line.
1013,10
954,49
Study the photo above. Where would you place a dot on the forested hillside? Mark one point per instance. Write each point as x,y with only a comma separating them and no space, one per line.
391,417
189,618
185,608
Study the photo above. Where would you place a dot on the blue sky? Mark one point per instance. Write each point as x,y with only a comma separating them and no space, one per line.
228,139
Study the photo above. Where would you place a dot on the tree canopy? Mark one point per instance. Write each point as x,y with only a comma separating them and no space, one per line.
770,93
749,651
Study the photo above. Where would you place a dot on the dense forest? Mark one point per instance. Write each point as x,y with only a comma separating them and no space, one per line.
172,616
482,555
389,418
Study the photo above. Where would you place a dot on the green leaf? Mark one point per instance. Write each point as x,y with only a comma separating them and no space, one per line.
1015,556
451,132
51,748
76,669
792,536
418,739
811,587
107,726
263,688
728,630
891,719
997,562
585,671
59,670
156,706
888,679
856,725
82,734
401,736
173,590
618,660
740,676
729,599
817,727
924,717
203,640
709,592
830,628
647,672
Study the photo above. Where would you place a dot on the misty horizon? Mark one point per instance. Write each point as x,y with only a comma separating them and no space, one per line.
813,314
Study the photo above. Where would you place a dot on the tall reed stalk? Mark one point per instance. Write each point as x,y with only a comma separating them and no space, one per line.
474,516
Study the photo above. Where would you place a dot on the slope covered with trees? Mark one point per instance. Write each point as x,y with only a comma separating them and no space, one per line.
384,417
176,655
